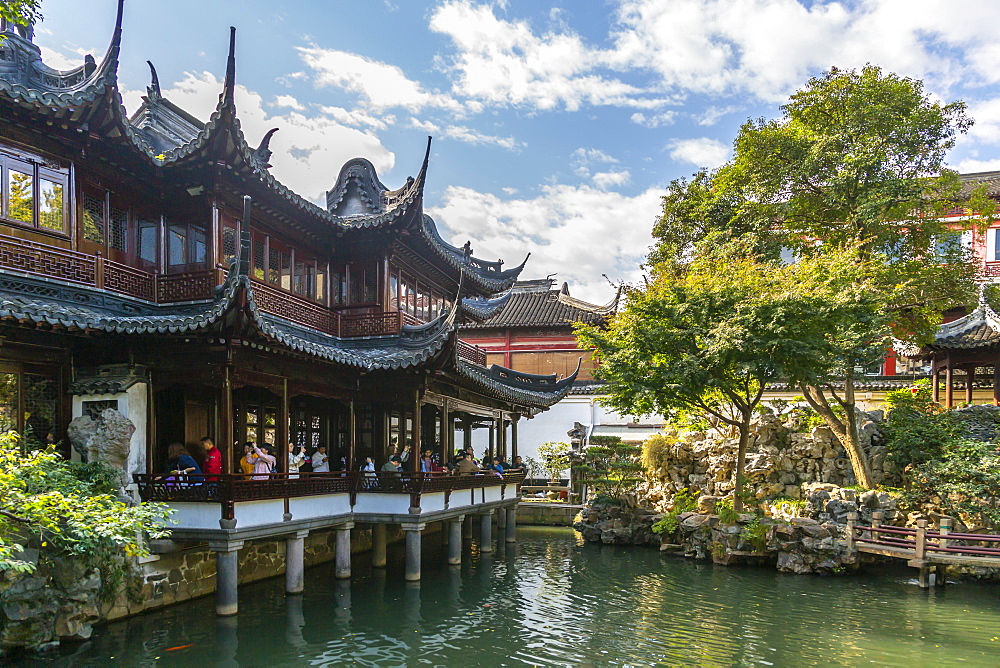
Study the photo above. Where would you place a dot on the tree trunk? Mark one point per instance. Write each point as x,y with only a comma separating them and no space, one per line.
846,430
741,458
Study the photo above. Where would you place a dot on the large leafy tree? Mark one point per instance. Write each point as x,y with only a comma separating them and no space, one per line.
21,12
706,336
854,168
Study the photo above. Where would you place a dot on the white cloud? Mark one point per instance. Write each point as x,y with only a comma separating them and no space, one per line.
379,85
359,118
700,152
972,165
505,63
288,101
465,134
577,232
605,180
654,120
427,126
308,150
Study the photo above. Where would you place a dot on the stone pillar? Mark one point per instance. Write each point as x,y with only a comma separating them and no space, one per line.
342,567
378,545
227,561
486,532
467,530
511,535
949,390
414,532
455,540
501,520
295,562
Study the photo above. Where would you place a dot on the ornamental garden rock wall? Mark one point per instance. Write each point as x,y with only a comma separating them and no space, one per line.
784,453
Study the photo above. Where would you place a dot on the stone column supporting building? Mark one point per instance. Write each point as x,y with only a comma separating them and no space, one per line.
295,566
378,545
455,540
511,535
414,533
227,560
486,531
342,567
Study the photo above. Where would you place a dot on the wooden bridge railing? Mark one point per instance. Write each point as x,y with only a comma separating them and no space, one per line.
919,539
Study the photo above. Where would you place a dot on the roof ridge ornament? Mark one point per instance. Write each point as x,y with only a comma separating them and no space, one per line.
263,151
153,89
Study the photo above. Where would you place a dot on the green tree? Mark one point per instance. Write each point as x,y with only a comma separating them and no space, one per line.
854,168
66,509
611,467
21,12
707,336
555,457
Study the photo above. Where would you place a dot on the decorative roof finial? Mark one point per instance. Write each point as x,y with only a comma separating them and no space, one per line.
229,86
263,152
153,89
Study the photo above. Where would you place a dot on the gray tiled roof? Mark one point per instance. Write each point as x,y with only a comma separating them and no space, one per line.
532,304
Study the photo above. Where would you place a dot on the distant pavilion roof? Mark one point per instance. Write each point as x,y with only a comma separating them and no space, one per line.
536,303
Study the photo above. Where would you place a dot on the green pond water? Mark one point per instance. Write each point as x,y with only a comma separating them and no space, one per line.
551,599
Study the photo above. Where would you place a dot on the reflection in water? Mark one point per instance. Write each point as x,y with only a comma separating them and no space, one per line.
550,599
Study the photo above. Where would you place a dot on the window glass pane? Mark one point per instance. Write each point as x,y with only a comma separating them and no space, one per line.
298,284
93,218
393,291
118,228
320,283
8,402
356,287
199,245
339,288
286,271
20,203
147,249
177,245
50,205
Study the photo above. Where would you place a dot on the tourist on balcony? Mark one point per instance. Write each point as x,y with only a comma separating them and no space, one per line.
213,459
264,464
394,465
296,458
466,465
370,478
426,463
518,463
320,461
248,459
181,465
497,465
404,456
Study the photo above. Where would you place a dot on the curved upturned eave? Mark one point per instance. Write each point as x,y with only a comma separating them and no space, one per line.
491,282
105,76
484,309
485,381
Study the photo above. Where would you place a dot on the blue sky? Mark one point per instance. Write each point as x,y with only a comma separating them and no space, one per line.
557,124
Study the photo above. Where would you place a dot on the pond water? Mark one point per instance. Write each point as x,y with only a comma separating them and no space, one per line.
551,599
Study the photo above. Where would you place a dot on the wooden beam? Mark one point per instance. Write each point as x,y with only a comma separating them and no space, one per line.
352,435
949,394
416,450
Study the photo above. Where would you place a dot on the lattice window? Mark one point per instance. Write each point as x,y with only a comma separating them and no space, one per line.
258,259
117,228
93,218
274,266
41,404
230,245
93,409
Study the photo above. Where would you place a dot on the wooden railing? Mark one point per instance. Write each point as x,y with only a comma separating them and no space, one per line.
232,487
471,353
99,272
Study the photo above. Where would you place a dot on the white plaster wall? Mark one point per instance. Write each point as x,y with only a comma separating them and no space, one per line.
307,507
131,404
374,502
195,515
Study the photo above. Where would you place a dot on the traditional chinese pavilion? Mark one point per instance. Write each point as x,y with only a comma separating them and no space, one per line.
152,262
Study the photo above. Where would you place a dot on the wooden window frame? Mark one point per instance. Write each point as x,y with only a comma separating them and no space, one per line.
38,168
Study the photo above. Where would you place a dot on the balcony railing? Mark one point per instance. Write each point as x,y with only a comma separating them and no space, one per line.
471,353
230,489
